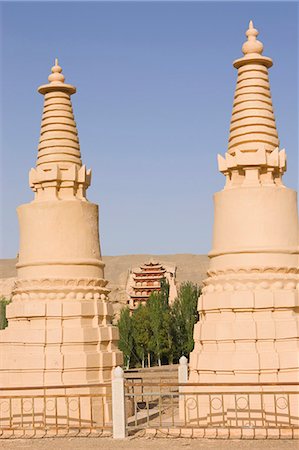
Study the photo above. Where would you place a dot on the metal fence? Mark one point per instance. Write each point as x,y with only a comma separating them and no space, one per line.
132,405
54,411
240,410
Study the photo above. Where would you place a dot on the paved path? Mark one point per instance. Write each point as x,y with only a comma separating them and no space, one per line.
146,444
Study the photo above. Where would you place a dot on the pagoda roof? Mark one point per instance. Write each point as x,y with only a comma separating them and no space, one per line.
151,264
149,272
144,288
149,278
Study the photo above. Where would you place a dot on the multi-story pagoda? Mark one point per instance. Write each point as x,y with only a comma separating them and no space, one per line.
147,279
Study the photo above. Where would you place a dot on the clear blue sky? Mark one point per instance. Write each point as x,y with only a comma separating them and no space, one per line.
155,86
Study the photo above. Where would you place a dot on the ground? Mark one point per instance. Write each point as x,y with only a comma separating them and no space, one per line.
146,443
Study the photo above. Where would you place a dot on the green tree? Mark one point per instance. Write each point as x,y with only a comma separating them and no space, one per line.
3,303
157,330
159,313
141,332
184,316
125,327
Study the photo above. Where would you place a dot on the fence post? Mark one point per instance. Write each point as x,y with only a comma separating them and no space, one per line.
118,404
183,378
183,370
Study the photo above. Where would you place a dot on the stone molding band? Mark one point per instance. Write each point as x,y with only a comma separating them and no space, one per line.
289,251
63,294
230,284
253,269
57,282
60,262
69,288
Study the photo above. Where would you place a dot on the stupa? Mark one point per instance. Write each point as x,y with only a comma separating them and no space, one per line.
248,326
59,322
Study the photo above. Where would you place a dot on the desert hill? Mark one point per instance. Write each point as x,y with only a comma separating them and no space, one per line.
189,268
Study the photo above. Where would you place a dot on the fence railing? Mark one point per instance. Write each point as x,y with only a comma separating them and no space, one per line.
248,409
131,405
56,411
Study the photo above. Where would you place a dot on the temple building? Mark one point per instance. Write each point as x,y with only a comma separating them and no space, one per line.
248,326
59,321
144,280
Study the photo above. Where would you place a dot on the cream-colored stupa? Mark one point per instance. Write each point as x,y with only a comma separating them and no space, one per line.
59,322
249,326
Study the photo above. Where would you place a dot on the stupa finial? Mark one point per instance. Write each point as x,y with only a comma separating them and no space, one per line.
56,81
252,45
56,75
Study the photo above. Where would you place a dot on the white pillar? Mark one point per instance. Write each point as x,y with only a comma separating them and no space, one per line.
118,404
183,378
183,370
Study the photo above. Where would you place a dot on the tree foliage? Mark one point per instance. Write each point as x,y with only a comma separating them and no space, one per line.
141,331
3,303
125,335
158,332
159,314
185,316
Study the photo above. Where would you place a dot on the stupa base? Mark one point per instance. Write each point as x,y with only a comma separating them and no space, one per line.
59,343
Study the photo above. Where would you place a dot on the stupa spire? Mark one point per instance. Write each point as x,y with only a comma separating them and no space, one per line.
253,139
253,121
59,169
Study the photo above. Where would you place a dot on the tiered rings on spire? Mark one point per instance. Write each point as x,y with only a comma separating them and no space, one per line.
253,120
59,171
253,155
59,141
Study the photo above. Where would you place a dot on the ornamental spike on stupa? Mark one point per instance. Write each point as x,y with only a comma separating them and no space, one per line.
59,172
252,45
253,120
253,155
